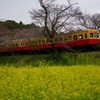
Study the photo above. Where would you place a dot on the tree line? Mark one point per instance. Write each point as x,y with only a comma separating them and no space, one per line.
11,30
11,24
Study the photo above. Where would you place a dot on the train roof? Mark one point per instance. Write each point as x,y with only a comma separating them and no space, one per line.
77,31
71,32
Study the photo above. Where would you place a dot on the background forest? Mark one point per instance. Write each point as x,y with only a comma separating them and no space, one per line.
10,29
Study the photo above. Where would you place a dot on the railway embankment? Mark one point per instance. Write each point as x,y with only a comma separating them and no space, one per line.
65,59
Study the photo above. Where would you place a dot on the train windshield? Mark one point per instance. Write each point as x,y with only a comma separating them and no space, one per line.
97,35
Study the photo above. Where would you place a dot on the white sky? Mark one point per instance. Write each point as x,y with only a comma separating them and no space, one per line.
18,9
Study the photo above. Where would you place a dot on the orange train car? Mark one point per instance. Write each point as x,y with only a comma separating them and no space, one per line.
88,37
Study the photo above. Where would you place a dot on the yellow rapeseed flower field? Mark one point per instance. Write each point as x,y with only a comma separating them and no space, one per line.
50,83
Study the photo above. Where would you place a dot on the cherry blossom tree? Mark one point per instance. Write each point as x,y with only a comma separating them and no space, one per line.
53,18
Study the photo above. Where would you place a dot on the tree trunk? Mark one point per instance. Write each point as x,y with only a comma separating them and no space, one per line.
12,50
55,51
13,53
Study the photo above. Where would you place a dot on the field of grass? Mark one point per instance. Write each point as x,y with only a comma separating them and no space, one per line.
50,83
65,59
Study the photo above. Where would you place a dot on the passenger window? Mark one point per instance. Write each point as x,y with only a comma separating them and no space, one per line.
69,38
12,45
22,43
35,42
39,41
26,43
75,37
2,46
43,41
91,34
16,45
85,35
56,39
60,39
80,36
47,40
32,42
65,38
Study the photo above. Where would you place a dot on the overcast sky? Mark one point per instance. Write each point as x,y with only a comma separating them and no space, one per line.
18,9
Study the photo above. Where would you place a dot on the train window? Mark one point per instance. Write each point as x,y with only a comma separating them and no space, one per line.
56,39
35,42
65,38
20,43
23,43
47,40
26,43
80,36
85,35
91,34
3,46
43,41
10,45
0,46
60,39
75,37
32,42
39,41
70,38
15,44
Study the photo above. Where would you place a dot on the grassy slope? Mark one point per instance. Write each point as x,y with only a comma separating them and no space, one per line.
91,58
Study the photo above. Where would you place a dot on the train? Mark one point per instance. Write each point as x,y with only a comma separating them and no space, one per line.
89,37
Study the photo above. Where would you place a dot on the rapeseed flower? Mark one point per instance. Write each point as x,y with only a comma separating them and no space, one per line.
50,83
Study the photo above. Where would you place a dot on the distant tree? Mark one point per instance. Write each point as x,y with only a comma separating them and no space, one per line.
11,24
21,23
88,21
4,31
52,17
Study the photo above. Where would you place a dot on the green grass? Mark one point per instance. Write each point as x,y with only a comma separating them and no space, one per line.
50,83
69,59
